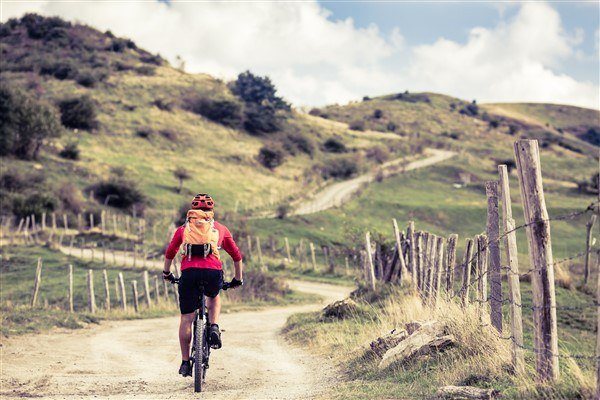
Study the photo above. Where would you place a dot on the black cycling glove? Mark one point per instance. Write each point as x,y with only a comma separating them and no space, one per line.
168,276
235,283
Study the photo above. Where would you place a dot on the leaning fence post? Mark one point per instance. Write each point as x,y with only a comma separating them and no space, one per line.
439,266
493,231
371,266
450,263
512,274
70,282
106,289
588,245
147,289
403,271
410,237
122,290
287,250
37,282
540,255
482,271
91,296
136,305
312,255
418,260
467,273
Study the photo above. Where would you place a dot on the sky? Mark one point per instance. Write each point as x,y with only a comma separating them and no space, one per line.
324,52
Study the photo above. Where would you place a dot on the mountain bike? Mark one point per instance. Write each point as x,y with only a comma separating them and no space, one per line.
200,347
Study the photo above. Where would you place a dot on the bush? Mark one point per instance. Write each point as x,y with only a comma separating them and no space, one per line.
494,123
377,114
39,27
258,90
283,210
334,145
357,125
36,204
513,130
146,70
223,111
592,136
510,164
78,113
366,98
86,79
391,127
25,124
60,70
119,192
70,151
294,142
340,167
378,154
261,119
169,135
271,157
163,104
472,109
144,133
71,198
119,45
452,135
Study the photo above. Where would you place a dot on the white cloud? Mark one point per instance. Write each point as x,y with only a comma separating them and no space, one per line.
316,60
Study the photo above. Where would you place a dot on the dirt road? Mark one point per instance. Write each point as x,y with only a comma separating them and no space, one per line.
340,192
139,359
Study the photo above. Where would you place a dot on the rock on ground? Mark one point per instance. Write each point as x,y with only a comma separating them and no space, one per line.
382,344
466,393
340,309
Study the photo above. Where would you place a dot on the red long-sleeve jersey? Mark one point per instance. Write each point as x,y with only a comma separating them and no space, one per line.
225,242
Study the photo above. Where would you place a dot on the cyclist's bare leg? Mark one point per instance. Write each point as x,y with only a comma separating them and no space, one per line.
185,334
214,309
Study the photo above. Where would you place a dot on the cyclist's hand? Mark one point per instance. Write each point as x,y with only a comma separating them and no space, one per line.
235,283
168,276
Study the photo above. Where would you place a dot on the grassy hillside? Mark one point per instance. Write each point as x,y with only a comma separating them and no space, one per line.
152,118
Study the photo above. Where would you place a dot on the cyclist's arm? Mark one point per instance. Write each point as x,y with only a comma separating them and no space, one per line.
171,251
239,269
231,248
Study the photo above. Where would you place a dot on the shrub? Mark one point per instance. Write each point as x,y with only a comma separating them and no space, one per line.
152,59
378,154
163,104
36,204
39,27
510,164
334,145
60,70
71,198
271,157
494,123
146,70
340,167
223,111
391,127
592,136
377,114
119,192
472,109
25,124
294,142
169,135
78,113
144,133
452,135
119,45
357,125
513,130
261,119
366,98
86,79
70,151
283,210
258,90
181,174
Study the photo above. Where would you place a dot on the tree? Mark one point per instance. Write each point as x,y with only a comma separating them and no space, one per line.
271,157
181,174
258,90
25,124
78,113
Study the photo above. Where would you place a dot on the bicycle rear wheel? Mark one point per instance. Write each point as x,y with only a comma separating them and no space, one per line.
198,355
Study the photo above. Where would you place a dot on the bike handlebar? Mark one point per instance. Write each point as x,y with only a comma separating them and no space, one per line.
224,287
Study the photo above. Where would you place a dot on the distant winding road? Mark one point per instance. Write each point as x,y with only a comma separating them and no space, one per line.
338,193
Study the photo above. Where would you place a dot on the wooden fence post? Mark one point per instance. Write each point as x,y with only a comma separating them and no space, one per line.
403,271
287,249
431,253
147,289
79,223
512,274
70,282
65,223
371,266
312,255
347,266
106,289
410,237
493,232
156,291
249,245
91,221
439,266
103,222
44,221
117,290
115,226
37,282
482,271
418,260
540,255
467,274
325,254
54,226
259,253
136,305
588,245
122,290
450,263
91,296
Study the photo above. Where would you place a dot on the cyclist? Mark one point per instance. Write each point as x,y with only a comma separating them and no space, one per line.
201,268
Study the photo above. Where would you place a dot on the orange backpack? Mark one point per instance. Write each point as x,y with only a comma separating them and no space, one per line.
199,229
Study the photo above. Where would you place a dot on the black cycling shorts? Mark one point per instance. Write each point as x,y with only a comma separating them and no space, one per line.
193,283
